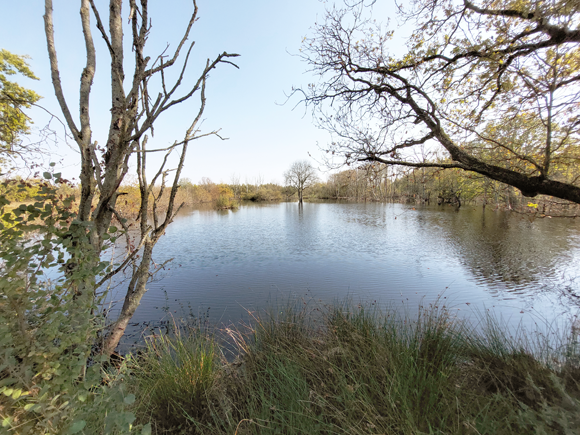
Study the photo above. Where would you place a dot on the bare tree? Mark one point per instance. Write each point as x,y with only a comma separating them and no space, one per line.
300,176
259,180
236,186
134,110
471,74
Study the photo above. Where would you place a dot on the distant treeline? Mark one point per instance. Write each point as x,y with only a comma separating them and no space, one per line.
377,182
207,191
369,183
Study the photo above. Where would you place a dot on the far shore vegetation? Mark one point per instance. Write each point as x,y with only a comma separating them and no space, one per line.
369,183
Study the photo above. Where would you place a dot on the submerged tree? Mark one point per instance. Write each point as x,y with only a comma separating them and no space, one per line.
300,176
471,72
134,110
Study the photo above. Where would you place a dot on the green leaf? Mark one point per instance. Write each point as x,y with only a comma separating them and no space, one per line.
77,426
128,418
47,175
52,164
7,381
130,399
146,429
112,229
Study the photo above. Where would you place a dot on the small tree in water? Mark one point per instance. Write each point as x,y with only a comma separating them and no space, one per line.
300,176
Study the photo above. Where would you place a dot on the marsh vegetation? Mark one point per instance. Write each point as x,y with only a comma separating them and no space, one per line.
345,369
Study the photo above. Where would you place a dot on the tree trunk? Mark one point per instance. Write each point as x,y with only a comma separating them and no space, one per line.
133,114
135,292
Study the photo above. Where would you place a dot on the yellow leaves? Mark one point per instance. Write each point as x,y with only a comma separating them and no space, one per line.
225,191
13,121
531,204
13,64
14,393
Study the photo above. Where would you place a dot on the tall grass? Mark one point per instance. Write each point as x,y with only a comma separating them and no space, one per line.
172,377
359,370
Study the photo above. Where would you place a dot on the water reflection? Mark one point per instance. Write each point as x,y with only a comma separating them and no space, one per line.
231,262
509,252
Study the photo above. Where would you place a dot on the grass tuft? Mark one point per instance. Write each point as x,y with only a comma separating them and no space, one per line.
173,376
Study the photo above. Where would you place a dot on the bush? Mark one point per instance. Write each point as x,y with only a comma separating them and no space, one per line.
18,190
225,202
49,382
268,192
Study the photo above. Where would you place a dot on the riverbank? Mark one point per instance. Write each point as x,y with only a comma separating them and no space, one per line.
357,370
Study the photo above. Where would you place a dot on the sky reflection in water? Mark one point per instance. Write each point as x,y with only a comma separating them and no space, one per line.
263,255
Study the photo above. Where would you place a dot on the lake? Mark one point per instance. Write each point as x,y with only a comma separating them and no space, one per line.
229,263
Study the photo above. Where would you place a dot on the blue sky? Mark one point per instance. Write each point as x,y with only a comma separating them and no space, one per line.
266,131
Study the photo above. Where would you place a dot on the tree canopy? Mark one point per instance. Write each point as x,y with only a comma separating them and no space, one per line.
13,99
489,87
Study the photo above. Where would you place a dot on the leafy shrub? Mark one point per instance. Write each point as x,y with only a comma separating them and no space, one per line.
224,202
49,383
264,193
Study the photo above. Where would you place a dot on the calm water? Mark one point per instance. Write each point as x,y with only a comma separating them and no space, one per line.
229,263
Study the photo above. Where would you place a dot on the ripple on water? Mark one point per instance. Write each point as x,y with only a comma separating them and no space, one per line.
391,253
